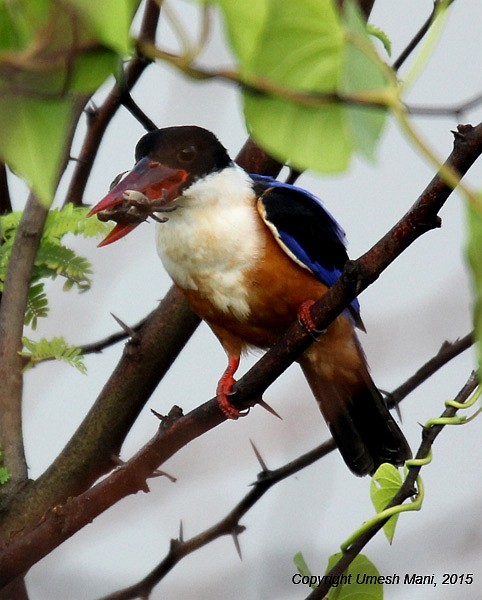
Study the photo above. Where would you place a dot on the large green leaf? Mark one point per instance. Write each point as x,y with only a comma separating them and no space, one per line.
362,71
300,48
109,21
295,52
33,139
49,52
245,22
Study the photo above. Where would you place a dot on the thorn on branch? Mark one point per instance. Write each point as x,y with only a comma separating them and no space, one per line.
133,335
269,408
235,533
168,420
264,466
159,473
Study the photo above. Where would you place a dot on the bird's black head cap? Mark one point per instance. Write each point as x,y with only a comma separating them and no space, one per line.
194,149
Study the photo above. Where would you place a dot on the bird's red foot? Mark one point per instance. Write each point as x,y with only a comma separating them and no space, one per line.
306,320
224,387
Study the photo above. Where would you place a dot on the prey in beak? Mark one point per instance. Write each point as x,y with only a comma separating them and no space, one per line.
149,188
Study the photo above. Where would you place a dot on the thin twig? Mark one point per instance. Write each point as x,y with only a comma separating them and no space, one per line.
447,352
406,491
415,41
226,526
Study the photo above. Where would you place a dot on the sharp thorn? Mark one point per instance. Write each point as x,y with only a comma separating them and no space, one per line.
158,473
235,535
181,532
264,466
269,408
130,332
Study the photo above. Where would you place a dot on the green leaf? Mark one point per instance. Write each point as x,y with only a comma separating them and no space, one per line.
384,485
33,139
474,256
73,219
301,565
37,305
110,21
54,51
362,568
53,259
56,348
301,49
362,71
244,22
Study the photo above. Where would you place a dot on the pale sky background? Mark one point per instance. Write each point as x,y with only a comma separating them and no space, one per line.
422,300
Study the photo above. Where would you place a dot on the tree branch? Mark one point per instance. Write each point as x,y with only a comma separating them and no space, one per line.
131,477
359,274
230,524
406,491
12,313
99,119
447,352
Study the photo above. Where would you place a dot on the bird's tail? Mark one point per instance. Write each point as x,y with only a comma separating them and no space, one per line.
364,430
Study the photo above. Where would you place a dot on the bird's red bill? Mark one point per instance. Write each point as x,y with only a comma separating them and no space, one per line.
154,180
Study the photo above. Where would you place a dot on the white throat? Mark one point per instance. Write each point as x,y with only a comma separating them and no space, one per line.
213,238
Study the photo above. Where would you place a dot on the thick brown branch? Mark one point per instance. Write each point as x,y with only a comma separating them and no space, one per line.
64,521
12,311
467,147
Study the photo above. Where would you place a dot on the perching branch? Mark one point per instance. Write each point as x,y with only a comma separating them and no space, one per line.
131,477
429,434
267,478
357,276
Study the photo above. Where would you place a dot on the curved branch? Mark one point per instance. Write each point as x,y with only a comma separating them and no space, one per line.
418,37
230,524
176,433
406,491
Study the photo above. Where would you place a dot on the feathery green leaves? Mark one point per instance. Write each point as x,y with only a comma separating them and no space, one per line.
56,348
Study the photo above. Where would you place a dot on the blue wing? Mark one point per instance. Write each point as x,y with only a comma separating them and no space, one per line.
305,230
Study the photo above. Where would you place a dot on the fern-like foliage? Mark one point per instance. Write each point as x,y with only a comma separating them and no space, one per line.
56,348
54,258
37,305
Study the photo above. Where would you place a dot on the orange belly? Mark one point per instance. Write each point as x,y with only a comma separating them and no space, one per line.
276,288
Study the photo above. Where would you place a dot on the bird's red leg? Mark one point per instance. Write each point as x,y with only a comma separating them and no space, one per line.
306,320
224,388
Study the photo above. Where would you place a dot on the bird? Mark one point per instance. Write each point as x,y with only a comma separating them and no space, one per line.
251,254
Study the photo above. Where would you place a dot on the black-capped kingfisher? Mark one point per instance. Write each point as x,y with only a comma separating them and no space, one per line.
251,254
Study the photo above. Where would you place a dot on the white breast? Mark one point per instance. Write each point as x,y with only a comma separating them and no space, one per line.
213,238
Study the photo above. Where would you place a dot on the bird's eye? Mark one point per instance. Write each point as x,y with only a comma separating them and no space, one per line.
187,155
